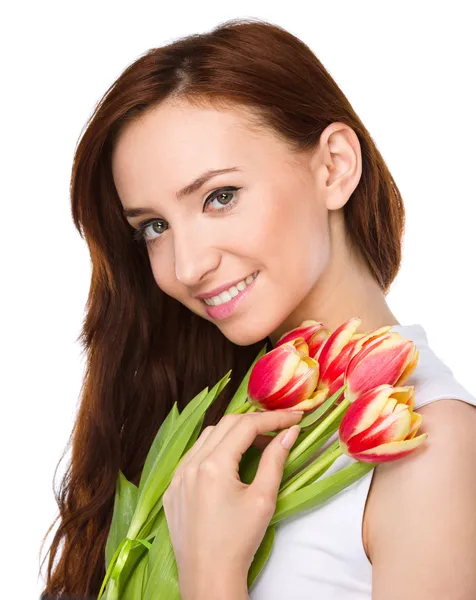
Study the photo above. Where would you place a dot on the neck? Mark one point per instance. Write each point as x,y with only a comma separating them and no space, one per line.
345,289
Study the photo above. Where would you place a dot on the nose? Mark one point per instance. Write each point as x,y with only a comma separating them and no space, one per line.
194,256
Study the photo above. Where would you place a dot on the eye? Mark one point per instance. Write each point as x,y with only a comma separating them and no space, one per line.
220,196
152,229
149,230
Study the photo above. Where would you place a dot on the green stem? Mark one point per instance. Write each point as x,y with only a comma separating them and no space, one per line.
311,452
316,493
317,432
112,566
317,467
245,407
121,559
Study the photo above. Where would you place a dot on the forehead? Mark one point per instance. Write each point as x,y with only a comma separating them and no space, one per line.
175,141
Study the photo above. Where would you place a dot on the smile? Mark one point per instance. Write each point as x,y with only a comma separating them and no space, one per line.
223,304
231,292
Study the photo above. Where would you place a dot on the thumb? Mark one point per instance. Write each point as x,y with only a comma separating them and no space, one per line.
271,466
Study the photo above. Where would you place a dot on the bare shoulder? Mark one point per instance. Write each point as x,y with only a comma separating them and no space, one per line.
419,518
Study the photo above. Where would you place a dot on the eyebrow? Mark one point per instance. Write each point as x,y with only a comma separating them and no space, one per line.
189,189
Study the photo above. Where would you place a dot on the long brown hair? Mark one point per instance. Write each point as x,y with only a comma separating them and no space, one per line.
144,349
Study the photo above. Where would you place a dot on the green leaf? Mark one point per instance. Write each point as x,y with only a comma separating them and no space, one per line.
124,505
199,403
149,528
261,556
112,590
162,575
318,492
312,417
107,583
241,394
166,461
249,464
133,589
132,573
194,436
149,524
162,436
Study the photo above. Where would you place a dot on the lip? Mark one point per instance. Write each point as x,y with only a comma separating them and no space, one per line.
225,310
222,288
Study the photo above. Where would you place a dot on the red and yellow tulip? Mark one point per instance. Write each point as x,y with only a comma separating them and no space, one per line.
380,425
285,377
309,355
334,356
380,357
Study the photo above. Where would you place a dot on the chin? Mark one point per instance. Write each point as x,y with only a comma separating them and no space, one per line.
243,339
246,335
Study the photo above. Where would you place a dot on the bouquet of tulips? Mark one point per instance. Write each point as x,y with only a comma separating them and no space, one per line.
351,388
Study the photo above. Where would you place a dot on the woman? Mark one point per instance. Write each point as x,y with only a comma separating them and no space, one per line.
232,161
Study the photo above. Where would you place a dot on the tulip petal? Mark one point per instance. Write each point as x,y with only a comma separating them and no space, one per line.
311,323
273,371
370,345
338,366
364,411
313,332
334,386
391,428
389,407
367,339
390,451
304,330
314,401
301,390
409,369
335,344
381,362
404,395
301,346
417,420
306,374
316,343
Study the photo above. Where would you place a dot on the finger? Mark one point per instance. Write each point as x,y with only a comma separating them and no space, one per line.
220,430
210,438
240,437
271,465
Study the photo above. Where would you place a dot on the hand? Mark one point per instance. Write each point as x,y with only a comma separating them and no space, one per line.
216,522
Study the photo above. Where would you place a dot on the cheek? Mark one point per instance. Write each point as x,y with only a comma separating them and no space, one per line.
290,236
161,263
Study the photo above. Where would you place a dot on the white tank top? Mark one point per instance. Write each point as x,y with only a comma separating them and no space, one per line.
319,554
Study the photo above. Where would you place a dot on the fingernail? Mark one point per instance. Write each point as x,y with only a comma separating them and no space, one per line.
291,436
299,412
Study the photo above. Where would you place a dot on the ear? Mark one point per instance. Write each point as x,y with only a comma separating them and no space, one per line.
337,164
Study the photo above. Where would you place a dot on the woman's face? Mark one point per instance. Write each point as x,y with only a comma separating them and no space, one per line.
265,214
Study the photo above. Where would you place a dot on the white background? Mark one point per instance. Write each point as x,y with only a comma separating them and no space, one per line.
408,71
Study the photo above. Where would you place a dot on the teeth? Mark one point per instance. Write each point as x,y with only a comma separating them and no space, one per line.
224,297
227,295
